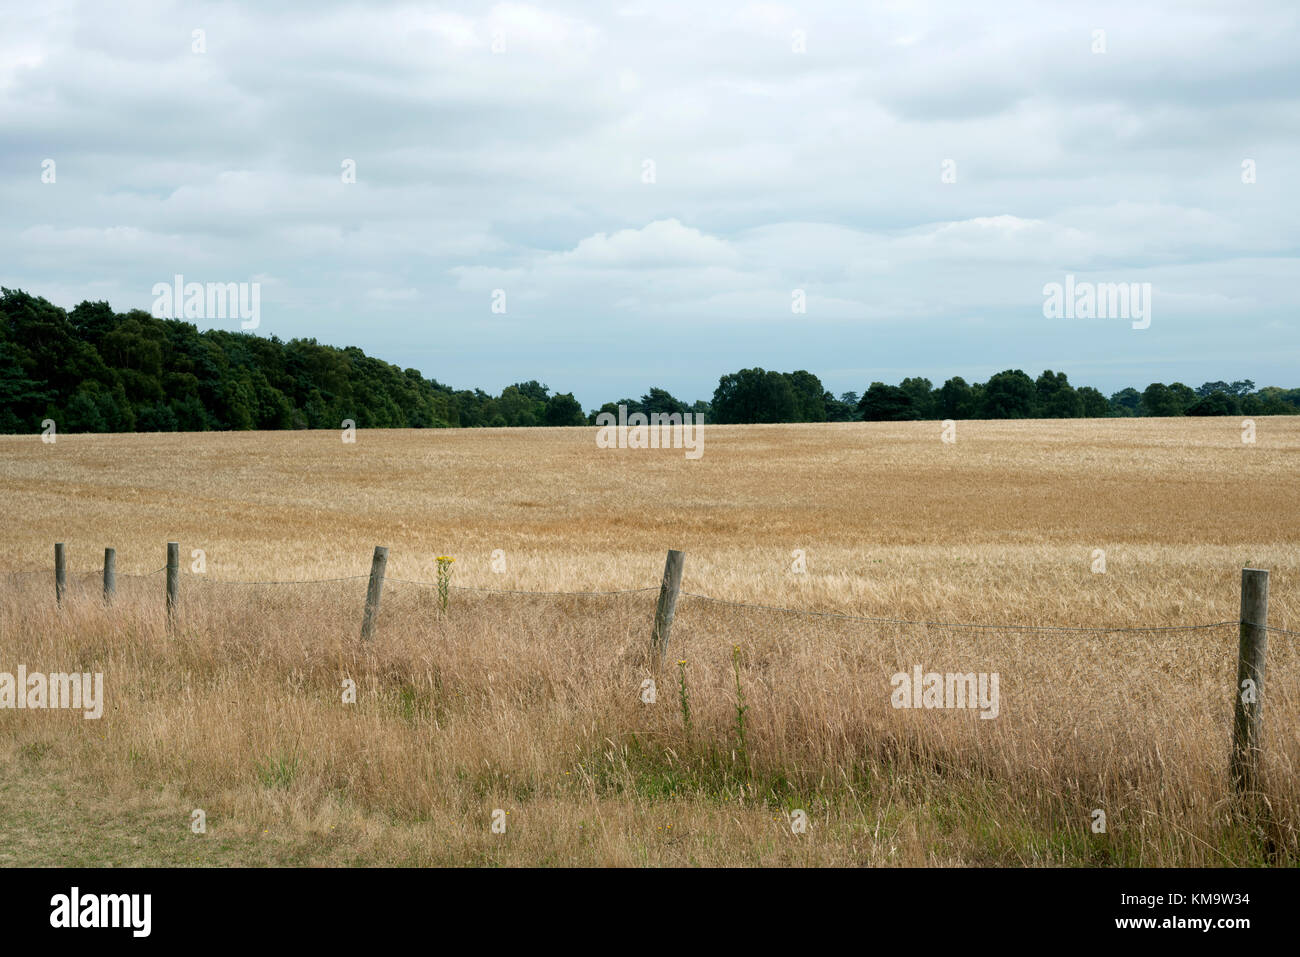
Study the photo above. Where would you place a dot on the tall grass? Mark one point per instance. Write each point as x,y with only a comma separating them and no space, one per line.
531,704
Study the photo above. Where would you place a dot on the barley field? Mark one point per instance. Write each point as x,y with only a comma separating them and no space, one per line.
517,707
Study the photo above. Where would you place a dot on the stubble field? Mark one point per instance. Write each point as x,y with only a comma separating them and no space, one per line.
534,704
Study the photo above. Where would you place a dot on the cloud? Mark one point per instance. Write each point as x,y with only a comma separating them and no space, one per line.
662,243
501,145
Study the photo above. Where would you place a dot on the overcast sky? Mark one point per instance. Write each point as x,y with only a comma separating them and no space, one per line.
798,146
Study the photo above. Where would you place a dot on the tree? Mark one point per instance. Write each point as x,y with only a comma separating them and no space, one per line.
156,418
1009,395
1126,402
150,370
1183,395
533,389
1216,403
92,320
1095,405
612,409
83,413
1055,398
22,398
659,400
921,392
841,409
809,396
956,399
1159,400
519,409
94,369
753,395
1278,401
564,409
886,403
191,416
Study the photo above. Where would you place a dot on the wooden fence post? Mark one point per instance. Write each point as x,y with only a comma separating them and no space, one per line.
1248,696
173,580
373,591
667,606
110,575
60,573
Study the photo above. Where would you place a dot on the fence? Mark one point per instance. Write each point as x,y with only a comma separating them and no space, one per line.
1252,626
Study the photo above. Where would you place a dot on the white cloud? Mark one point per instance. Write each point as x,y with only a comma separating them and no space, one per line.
664,242
521,170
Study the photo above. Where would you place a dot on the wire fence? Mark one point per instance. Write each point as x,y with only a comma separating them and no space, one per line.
1065,683
959,624
1118,708
86,583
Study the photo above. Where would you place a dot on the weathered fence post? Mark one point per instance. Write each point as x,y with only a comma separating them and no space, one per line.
667,606
173,580
373,591
60,573
110,574
1248,717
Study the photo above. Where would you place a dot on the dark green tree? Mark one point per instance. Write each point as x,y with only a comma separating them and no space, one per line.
1095,405
753,395
1126,403
1216,403
809,396
659,400
924,400
956,399
1009,395
1055,398
886,403
563,409
1161,401
1183,395
841,409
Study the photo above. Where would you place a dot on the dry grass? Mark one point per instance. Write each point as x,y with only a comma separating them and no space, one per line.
531,704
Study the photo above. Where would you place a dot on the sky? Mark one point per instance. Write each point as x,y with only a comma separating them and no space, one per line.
607,198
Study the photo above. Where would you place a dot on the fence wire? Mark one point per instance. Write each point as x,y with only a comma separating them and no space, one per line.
958,624
827,656
820,688
86,581
517,591
308,581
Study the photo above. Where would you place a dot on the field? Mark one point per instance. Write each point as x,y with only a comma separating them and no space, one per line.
532,704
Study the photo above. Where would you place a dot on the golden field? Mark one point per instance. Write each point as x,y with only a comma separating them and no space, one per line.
531,704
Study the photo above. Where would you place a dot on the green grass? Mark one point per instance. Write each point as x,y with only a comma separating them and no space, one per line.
50,818
278,770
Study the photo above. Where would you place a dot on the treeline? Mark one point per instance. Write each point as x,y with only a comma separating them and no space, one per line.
1013,394
758,395
94,370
